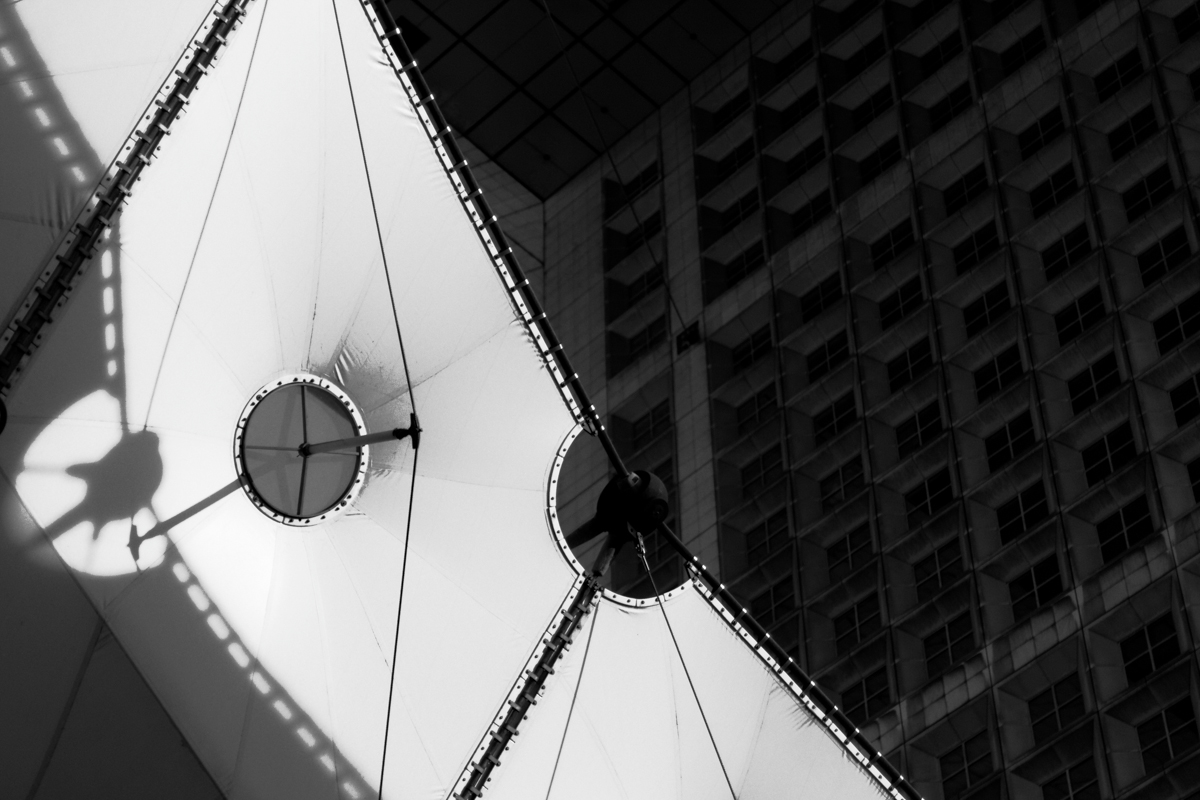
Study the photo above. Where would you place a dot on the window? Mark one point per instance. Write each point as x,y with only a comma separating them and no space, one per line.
1149,648
618,245
937,56
966,766
711,172
1076,318
897,305
767,538
1148,192
868,698
873,165
1056,708
919,430
871,108
985,310
1020,53
871,52
1178,325
971,252
955,101
835,418
643,285
1167,735
1022,513
1047,195
1041,133
949,644
714,224
965,189
1093,382
1031,590
1067,252
650,425
998,374
910,364
1187,23
1140,126
891,245
775,603
1108,454
617,195
827,356
1127,526
1185,400
938,570
805,160
1164,255
742,265
756,345
843,483
817,300
1075,783
928,498
849,553
1122,72
645,340
856,623
798,110
757,410
1014,438
1193,469
762,472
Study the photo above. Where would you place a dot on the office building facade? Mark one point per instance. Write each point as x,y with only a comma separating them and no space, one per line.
902,301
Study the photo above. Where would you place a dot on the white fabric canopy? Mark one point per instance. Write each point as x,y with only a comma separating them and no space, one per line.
299,221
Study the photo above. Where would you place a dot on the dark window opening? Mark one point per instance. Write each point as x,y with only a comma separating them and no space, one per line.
1080,315
829,355
956,101
715,224
1178,325
1041,133
849,553
1122,72
1167,735
868,698
838,416
1031,590
900,303
1053,191
762,472
938,570
856,623
756,345
707,123
979,314
892,245
1020,53
1185,400
874,165
928,498
769,537
710,173
919,430
650,426
957,195
964,767
1094,382
1164,255
1187,23
1067,252
760,408
1126,137
941,53
1148,192
1126,527
1075,783
1021,514
843,483
871,108
617,195
775,604
998,374
1108,454
817,300
948,645
909,365
1056,708
1149,648
975,248
1013,439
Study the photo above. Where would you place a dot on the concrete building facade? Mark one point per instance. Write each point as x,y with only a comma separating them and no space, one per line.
901,299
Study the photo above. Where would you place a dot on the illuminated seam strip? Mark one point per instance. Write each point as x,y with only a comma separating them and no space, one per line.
551,349
530,686
324,750
53,288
